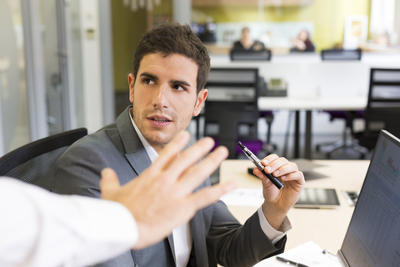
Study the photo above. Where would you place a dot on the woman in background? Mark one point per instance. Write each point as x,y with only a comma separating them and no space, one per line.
303,43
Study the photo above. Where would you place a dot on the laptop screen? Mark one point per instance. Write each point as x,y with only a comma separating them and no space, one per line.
373,236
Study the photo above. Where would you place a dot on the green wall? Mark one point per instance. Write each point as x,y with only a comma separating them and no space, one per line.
127,29
328,16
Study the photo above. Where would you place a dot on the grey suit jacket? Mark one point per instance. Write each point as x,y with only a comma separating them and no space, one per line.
217,236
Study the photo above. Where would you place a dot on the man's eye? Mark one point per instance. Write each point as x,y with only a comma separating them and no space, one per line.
179,87
148,81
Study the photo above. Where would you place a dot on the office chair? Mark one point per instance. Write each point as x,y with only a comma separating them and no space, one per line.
262,55
268,115
231,112
347,116
33,162
383,108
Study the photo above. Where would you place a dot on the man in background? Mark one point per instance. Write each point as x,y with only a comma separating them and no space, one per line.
247,43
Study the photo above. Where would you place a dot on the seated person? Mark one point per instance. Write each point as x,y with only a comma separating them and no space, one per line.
246,43
303,43
166,89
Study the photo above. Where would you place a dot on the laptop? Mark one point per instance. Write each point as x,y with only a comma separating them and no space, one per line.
373,235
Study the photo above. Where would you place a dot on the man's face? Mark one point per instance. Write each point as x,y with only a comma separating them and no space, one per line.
164,96
246,34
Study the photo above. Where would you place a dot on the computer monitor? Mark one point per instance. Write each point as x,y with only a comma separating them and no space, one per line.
262,55
373,236
341,54
232,85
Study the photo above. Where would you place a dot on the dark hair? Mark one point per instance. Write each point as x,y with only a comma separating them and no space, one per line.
174,39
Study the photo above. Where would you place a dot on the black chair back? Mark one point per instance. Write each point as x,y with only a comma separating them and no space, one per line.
383,108
33,162
231,111
341,54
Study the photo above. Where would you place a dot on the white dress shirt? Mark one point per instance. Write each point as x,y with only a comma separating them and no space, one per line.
181,235
39,228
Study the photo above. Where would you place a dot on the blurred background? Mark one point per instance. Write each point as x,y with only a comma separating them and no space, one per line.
64,63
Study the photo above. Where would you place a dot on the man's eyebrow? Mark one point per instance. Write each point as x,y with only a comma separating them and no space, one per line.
181,82
148,75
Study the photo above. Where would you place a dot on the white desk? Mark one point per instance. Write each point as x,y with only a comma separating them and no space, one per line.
309,104
312,103
326,227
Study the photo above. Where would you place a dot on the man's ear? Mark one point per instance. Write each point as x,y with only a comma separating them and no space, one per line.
201,98
131,82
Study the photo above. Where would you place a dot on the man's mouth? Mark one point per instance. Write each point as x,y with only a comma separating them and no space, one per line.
159,120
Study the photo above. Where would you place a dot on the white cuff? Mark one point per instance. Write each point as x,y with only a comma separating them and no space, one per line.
273,234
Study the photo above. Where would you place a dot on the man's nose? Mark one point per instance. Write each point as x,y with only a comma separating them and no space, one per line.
160,98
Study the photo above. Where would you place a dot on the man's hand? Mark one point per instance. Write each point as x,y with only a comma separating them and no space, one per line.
162,197
278,202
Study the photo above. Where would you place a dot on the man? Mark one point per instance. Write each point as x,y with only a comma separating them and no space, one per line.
166,89
246,43
46,229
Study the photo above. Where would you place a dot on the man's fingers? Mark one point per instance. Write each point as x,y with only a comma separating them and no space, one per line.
263,178
171,150
199,172
275,165
210,194
298,175
109,182
190,156
286,169
259,174
271,157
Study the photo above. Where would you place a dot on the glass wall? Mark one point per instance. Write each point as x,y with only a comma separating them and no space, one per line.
14,117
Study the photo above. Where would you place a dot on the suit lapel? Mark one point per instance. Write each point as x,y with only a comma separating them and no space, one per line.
171,245
134,150
198,235
197,229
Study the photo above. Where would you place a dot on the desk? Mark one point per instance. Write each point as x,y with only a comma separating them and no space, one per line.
309,104
326,227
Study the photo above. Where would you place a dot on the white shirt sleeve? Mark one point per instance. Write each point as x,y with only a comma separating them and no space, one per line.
39,228
269,231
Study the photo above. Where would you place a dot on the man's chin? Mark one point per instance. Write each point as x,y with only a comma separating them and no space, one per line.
158,140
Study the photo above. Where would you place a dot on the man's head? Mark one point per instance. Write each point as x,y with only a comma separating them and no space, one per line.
166,87
245,33
170,39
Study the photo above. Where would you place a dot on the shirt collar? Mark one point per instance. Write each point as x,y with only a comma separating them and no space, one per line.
151,152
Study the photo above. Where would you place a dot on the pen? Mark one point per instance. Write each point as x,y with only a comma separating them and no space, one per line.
290,262
258,164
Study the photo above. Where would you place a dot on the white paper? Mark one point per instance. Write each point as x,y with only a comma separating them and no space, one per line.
308,253
244,197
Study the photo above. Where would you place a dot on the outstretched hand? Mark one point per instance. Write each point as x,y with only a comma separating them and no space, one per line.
162,197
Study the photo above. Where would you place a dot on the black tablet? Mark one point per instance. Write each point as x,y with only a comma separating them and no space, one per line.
324,198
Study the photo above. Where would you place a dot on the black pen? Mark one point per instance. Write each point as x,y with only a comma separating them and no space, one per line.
290,262
258,164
